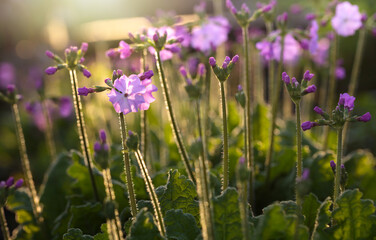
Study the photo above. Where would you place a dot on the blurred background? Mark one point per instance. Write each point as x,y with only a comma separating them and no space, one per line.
29,27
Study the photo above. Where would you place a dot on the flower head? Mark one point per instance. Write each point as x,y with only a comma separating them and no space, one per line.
347,101
318,110
308,125
347,19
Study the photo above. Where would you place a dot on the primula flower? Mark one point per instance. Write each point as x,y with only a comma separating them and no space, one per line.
7,74
210,34
347,101
130,94
347,19
320,56
169,49
308,125
124,50
365,117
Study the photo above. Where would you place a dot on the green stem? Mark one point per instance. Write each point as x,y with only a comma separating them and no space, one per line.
37,210
276,96
4,225
355,71
299,161
225,180
206,129
82,129
332,86
244,213
174,126
248,144
49,132
113,224
127,166
338,166
152,194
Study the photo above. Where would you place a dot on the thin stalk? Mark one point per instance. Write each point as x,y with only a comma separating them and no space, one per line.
127,166
114,224
276,95
206,129
25,162
49,132
355,72
82,130
225,159
299,161
248,144
152,194
174,126
144,130
244,213
269,29
4,225
332,85
203,183
337,179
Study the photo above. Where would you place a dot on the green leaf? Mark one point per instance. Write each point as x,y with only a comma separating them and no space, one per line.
321,174
322,221
20,204
233,116
103,235
260,129
56,183
178,193
144,228
76,234
227,215
353,216
309,209
181,226
276,224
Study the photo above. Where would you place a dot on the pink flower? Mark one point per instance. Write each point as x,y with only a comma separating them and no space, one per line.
314,37
291,52
320,56
347,19
169,49
131,95
210,34
124,50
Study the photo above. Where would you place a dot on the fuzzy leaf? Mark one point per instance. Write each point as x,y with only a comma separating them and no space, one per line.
103,235
353,216
178,193
322,221
144,228
309,209
227,215
181,226
76,234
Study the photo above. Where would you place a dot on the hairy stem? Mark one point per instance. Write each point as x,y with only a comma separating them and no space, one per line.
152,194
225,159
49,132
174,126
127,166
114,224
82,130
299,161
4,225
337,179
248,144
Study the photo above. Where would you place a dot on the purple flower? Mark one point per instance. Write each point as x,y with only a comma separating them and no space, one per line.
182,33
146,75
231,7
294,82
320,56
333,165
97,146
86,73
201,69
241,160
65,107
212,61
50,54
292,50
314,37
7,74
188,81
111,53
347,101
128,95
266,49
235,58
310,16
19,183
308,125
318,110
305,174
240,88
10,182
210,34
308,76
102,135
285,78
340,73
226,62
150,88
364,118
51,70
166,53
266,7
283,17
3,184
36,112
124,50
84,47
310,89
84,91
347,19
183,72
11,88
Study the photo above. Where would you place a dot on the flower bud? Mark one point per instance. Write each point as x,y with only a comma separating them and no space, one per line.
318,110
365,117
50,70
9,182
308,76
84,47
50,54
86,73
201,69
19,183
212,61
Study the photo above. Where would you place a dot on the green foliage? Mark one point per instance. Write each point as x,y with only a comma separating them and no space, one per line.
310,207
353,216
103,235
76,234
180,226
275,223
144,228
322,220
178,193
227,215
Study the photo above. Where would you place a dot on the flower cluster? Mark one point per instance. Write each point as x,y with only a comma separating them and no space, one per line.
295,89
8,187
340,115
74,58
10,96
194,89
101,149
223,72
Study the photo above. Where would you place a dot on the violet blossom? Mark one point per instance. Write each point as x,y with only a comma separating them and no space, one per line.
169,49
347,19
347,101
365,117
